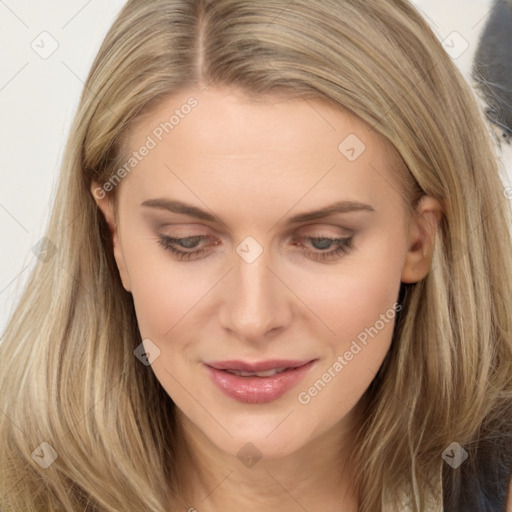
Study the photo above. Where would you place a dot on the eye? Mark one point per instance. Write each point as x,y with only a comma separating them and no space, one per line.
342,246
169,244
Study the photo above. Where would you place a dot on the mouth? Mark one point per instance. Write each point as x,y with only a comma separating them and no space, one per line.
268,373
258,366
259,382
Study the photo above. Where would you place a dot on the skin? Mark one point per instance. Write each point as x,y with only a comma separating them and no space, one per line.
255,164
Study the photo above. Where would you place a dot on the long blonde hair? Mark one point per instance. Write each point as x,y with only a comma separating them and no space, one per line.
69,375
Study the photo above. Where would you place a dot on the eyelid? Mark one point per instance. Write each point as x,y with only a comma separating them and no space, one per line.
341,231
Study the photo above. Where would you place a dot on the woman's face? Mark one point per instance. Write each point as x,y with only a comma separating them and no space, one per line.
231,184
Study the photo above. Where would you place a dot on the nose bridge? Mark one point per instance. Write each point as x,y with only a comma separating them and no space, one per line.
255,303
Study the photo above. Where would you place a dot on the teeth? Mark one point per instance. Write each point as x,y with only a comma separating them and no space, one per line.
268,373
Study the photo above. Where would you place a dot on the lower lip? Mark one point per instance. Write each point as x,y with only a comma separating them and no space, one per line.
258,390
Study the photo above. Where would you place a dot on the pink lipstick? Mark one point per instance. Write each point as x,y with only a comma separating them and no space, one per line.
258,382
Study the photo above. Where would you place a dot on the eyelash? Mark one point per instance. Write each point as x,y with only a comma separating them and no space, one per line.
345,245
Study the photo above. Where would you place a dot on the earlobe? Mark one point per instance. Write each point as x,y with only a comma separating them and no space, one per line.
105,204
423,228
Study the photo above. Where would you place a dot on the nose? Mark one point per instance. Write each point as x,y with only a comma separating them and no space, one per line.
258,304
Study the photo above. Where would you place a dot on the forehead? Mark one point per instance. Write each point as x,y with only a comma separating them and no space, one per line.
274,142
236,120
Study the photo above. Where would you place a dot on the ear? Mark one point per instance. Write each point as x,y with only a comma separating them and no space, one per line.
105,204
422,229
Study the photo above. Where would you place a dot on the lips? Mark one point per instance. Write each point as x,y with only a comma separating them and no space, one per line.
259,366
267,373
257,382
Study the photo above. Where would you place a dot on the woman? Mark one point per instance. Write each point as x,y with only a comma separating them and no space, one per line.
198,335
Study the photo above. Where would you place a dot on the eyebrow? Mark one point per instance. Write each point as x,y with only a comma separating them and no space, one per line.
193,211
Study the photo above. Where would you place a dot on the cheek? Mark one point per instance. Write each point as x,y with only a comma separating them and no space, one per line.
163,289
352,296
358,305
362,315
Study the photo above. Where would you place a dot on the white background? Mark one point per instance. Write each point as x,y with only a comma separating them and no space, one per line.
38,98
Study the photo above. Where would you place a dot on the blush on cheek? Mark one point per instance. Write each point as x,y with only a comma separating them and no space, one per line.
164,296
357,301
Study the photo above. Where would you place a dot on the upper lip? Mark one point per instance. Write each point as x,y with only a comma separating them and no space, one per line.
258,366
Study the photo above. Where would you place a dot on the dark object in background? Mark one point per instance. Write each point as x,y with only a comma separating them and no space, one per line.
492,67
481,483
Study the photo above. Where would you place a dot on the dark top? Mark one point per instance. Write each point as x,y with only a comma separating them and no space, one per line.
481,483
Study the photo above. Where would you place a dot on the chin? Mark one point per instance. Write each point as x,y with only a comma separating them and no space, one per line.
268,439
